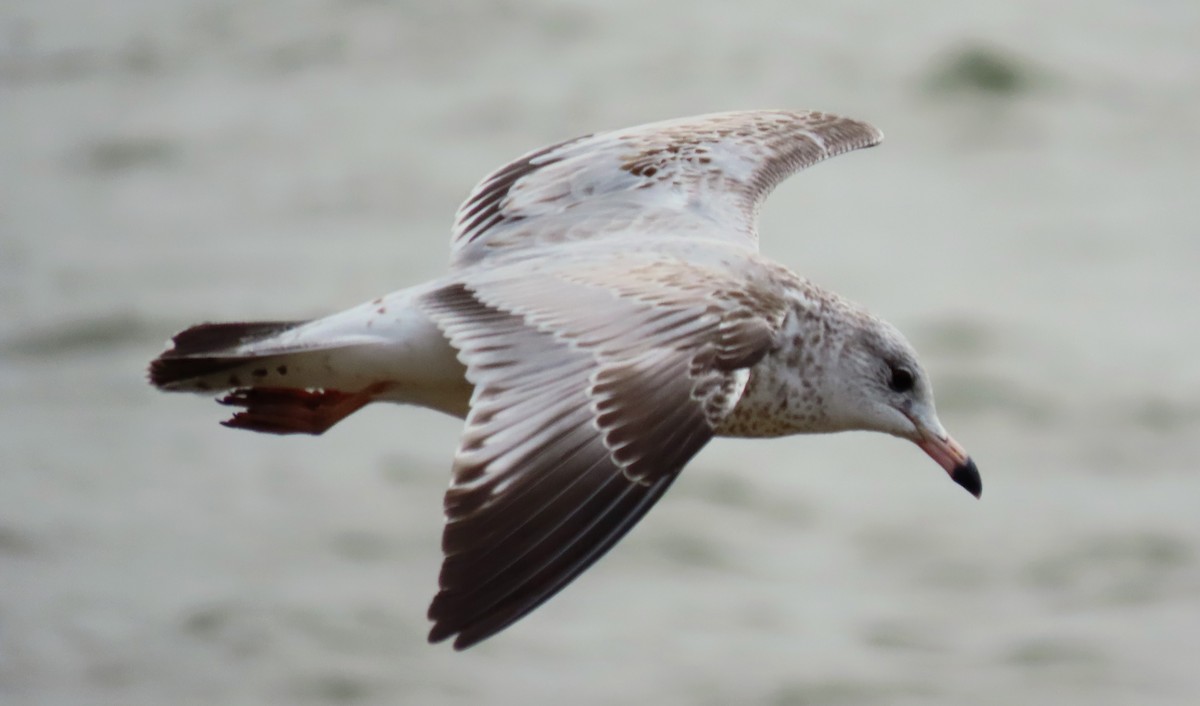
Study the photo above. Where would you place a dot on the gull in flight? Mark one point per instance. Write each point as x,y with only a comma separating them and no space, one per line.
605,314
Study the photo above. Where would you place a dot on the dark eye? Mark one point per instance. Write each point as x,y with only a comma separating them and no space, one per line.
902,379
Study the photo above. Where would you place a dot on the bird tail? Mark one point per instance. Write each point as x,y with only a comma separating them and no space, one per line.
283,383
199,355
303,376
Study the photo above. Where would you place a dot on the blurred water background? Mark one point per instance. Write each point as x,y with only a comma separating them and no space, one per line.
1030,222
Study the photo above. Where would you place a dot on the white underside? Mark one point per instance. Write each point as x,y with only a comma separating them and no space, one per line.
388,342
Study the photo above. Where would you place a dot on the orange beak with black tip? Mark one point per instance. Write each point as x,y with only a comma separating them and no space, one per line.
953,458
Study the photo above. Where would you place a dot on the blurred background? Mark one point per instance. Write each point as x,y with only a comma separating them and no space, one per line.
1030,222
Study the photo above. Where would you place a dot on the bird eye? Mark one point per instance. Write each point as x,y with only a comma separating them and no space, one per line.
902,380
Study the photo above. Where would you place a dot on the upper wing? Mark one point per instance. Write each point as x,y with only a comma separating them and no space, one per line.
708,173
592,390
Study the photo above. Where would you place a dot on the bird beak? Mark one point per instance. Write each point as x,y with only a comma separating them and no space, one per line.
953,458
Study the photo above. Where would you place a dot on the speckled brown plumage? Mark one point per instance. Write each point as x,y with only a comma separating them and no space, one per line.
606,314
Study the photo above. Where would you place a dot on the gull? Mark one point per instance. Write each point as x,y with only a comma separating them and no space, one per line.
606,313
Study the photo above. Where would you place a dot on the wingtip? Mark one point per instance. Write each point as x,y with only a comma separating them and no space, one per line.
438,633
870,135
463,638
442,628
876,136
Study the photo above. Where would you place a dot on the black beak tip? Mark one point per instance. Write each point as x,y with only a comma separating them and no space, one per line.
967,475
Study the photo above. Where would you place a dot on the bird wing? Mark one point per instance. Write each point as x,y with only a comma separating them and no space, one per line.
705,176
593,387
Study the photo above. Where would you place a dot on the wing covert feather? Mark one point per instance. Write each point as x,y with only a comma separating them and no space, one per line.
589,399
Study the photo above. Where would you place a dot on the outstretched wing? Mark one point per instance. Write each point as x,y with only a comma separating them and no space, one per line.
704,175
593,388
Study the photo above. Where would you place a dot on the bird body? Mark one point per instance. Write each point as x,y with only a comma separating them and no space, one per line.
606,313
